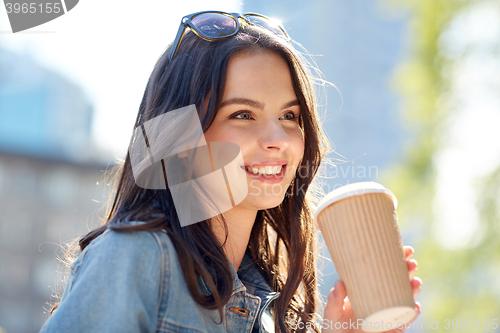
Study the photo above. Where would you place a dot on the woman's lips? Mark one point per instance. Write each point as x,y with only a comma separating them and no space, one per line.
268,179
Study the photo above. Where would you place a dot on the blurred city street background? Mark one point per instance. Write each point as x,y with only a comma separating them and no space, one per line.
415,106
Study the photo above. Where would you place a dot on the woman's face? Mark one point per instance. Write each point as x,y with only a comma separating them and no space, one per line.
259,112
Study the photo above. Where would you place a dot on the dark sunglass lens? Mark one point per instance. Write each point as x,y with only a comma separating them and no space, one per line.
266,24
214,25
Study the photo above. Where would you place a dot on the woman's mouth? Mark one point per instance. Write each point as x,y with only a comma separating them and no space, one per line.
265,170
267,174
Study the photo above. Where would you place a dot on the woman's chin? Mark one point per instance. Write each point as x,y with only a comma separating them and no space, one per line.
262,202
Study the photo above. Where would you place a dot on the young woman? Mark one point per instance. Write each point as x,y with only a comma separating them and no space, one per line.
251,268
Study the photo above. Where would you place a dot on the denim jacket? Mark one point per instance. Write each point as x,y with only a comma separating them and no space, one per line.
133,282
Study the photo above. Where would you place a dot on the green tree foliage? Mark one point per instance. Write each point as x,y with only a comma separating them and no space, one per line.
457,284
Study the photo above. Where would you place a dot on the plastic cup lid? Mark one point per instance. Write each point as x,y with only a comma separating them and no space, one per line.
351,190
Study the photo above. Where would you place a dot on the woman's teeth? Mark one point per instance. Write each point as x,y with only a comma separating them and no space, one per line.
267,170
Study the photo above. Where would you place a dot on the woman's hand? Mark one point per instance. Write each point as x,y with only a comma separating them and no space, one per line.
338,307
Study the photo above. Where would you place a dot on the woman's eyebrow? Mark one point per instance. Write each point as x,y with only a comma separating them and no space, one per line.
255,104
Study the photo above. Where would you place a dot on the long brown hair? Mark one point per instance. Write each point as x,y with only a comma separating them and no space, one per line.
283,239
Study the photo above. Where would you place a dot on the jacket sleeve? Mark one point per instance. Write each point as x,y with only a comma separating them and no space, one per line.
113,286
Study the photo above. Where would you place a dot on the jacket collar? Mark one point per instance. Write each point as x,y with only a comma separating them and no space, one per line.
248,278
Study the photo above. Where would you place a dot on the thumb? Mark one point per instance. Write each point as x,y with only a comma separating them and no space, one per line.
334,308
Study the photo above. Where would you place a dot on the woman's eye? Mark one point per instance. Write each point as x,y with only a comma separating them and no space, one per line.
289,116
243,115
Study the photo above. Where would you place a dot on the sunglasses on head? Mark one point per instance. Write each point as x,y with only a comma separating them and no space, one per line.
214,25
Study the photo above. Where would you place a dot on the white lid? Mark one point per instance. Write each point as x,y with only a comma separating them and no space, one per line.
351,190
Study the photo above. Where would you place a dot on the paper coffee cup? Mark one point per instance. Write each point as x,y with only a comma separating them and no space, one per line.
360,228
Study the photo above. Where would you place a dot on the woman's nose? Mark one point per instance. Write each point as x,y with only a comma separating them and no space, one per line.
274,136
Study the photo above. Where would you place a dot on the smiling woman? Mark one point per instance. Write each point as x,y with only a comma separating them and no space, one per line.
253,267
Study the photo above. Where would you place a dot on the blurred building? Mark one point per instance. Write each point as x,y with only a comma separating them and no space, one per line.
48,190
41,112
357,45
